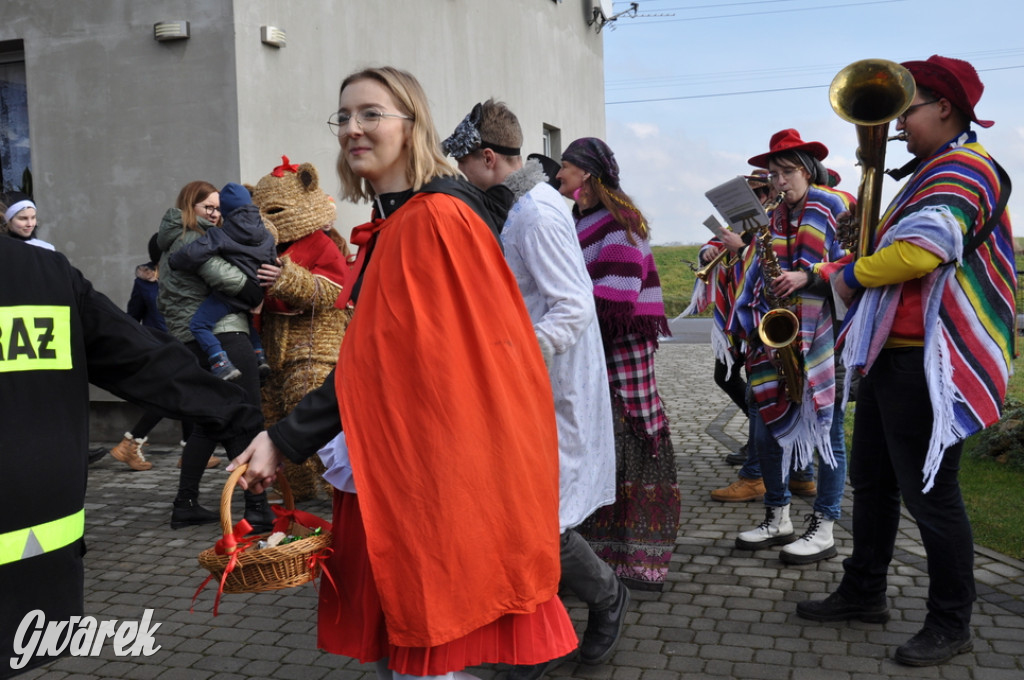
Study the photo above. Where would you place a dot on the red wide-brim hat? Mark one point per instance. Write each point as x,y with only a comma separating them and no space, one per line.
953,79
789,140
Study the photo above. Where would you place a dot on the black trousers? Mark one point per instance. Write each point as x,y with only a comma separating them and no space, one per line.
199,447
892,427
735,386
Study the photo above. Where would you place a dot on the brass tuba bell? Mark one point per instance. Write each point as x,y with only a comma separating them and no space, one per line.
870,93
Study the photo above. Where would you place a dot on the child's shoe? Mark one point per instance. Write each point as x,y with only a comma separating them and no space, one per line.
222,367
262,366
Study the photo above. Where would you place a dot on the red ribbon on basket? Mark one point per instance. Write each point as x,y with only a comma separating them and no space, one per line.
234,544
285,518
313,562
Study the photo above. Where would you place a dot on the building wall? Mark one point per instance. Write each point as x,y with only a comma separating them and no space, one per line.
119,122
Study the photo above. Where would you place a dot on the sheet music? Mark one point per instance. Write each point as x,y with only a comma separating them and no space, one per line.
714,226
738,204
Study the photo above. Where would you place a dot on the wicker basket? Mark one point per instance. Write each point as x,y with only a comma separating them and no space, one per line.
260,570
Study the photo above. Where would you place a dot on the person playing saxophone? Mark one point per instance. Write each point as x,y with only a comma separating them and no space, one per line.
793,381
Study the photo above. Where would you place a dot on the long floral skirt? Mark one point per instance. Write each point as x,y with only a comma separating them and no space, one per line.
637,533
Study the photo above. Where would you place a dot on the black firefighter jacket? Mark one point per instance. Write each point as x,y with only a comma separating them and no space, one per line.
57,335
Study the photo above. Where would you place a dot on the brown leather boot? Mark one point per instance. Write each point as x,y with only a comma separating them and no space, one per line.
740,491
129,451
798,488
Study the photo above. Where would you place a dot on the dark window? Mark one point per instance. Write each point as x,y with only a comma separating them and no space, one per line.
15,154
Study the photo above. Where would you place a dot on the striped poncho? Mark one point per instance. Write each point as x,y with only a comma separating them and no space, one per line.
968,309
721,293
798,428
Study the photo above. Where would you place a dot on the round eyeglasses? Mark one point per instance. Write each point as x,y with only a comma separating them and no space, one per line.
367,120
208,209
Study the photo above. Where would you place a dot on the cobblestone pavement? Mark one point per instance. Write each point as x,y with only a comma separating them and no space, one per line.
724,613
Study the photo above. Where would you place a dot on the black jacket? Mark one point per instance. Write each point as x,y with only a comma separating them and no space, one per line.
57,335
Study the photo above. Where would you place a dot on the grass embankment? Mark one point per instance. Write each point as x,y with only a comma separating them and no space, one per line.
993,488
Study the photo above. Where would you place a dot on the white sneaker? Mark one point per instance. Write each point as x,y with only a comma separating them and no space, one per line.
776,529
816,543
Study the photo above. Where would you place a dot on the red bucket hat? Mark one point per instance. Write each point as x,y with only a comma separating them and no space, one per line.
953,79
789,140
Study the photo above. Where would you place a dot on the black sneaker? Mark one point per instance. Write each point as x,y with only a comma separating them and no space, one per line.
537,670
930,648
835,607
604,628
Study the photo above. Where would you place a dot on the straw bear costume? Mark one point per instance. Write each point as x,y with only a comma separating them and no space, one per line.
300,326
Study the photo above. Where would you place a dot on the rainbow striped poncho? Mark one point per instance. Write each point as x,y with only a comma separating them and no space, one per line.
798,428
969,315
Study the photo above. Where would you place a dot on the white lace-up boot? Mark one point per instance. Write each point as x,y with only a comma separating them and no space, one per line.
816,543
776,529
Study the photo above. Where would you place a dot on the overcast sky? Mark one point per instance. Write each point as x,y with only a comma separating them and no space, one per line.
692,94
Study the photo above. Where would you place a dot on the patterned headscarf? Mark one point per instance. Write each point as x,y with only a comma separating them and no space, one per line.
466,139
594,156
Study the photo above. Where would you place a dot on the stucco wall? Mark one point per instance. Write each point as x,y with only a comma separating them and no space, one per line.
119,122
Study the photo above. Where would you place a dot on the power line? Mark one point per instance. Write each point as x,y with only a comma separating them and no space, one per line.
765,91
640,21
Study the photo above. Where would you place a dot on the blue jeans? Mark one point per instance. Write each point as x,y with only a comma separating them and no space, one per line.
752,466
830,480
210,311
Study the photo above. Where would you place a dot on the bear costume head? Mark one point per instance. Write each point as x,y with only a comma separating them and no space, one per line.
291,201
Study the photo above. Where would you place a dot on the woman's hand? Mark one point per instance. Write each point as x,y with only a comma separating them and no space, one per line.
268,274
787,283
843,291
263,458
709,253
732,241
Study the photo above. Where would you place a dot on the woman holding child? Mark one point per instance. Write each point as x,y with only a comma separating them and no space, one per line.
196,210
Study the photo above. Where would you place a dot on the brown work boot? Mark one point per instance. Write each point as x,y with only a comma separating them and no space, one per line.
741,490
798,488
129,451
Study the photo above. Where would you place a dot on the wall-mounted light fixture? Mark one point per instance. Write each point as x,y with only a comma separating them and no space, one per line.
171,30
273,36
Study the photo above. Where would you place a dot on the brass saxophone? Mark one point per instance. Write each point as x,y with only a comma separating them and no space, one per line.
779,327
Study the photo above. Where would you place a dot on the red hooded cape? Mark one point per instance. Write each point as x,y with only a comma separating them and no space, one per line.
449,419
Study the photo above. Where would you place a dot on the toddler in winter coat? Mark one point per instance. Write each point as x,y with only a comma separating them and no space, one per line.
244,241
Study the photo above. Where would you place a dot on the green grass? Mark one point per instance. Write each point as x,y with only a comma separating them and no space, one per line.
994,495
676,276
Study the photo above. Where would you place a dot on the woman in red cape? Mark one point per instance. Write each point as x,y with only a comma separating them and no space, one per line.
446,555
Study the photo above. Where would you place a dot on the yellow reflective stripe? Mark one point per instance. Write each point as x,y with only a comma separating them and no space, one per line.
42,538
35,338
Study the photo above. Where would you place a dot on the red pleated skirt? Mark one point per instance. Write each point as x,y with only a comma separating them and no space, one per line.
351,621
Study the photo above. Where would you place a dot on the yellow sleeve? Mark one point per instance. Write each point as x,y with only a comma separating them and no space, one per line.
897,262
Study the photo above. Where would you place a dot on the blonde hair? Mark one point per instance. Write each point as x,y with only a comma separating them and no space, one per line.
426,160
191,194
622,208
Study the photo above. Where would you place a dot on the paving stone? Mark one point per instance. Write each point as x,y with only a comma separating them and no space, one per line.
724,613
